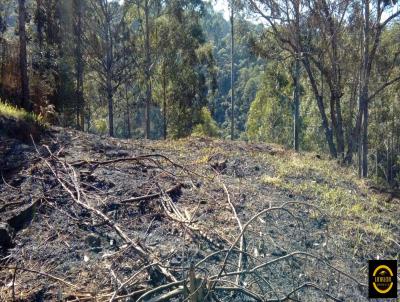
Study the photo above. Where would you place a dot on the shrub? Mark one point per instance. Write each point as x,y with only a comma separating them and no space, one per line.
100,126
9,110
19,124
207,126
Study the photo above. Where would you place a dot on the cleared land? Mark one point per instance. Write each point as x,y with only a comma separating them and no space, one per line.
91,218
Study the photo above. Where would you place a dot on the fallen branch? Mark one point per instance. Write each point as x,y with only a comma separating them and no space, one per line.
42,274
125,283
305,285
285,257
77,198
159,289
270,209
241,245
171,190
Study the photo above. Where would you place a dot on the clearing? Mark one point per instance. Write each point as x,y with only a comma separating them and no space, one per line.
89,218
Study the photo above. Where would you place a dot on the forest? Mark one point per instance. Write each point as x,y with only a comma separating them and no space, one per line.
317,76
199,151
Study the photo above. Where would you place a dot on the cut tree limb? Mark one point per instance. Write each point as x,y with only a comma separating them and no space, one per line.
171,190
76,196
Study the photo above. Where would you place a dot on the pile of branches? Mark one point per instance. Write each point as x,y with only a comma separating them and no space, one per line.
242,269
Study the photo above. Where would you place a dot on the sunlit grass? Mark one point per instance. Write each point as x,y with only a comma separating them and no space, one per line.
272,181
19,114
334,188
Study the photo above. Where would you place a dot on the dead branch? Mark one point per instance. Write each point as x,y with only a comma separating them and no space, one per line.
47,275
76,197
174,214
125,283
305,285
293,254
160,289
171,190
270,209
241,245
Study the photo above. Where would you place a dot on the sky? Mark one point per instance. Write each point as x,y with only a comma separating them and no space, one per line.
222,6
219,5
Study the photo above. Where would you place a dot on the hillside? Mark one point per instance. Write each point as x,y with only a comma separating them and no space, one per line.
91,218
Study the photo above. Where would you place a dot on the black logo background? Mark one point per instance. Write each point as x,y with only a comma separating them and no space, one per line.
373,264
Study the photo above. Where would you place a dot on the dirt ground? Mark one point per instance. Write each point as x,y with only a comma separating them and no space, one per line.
89,218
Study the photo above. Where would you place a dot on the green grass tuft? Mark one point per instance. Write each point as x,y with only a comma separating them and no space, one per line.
11,111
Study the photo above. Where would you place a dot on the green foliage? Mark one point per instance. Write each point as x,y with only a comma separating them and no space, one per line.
89,58
100,126
247,69
270,115
207,126
9,110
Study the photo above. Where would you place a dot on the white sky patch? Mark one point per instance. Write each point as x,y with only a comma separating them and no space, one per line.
221,6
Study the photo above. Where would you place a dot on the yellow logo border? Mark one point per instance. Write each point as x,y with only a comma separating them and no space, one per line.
391,274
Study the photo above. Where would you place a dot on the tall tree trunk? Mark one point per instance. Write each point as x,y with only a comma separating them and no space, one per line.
296,115
164,103
339,130
147,71
109,87
3,66
337,121
128,112
110,106
365,85
359,155
109,69
79,65
321,108
365,143
232,76
23,62
354,139
392,151
89,116
335,82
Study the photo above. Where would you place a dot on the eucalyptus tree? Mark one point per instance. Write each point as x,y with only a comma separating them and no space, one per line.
23,61
232,11
142,15
79,12
105,49
316,31
285,22
5,11
375,17
185,69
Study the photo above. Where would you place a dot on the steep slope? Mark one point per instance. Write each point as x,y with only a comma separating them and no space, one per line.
93,218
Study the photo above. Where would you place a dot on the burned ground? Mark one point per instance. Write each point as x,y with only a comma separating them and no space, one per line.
89,218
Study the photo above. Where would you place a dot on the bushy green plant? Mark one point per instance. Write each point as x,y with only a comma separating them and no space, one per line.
100,126
9,110
207,126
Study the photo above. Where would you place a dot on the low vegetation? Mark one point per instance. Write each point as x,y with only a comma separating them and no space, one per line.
10,111
20,124
354,207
